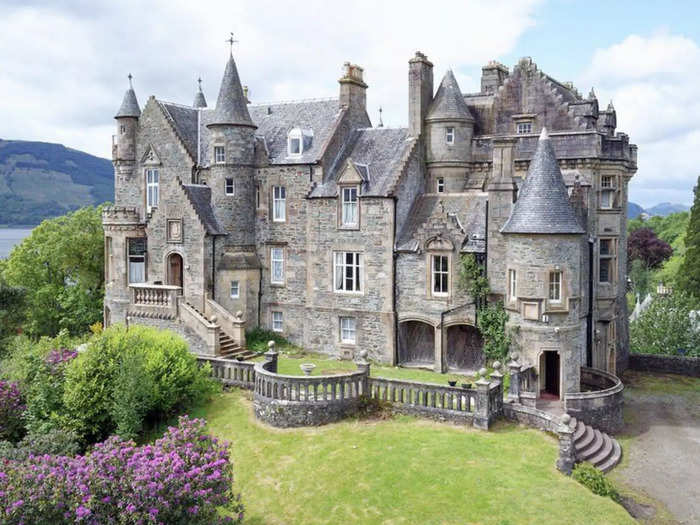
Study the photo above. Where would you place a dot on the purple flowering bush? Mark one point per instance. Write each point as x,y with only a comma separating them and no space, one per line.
184,477
11,409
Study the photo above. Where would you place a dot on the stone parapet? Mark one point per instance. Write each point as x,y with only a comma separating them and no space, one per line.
600,405
231,373
666,364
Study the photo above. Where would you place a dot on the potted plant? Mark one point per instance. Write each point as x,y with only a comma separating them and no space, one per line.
466,385
452,382
307,368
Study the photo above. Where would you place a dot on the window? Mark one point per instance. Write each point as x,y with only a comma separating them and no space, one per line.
605,270
605,247
523,128
152,179
230,188
606,266
348,272
349,215
234,290
122,129
137,260
607,199
279,204
440,274
347,330
512,284
277,321
440,184
295,143
555,287
450,135
606,181
219,155
277,265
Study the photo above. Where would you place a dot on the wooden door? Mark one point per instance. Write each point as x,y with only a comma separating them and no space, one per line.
175,270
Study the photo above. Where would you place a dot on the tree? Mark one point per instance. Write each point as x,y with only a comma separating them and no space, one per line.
688,278
60,265
11,311
644,245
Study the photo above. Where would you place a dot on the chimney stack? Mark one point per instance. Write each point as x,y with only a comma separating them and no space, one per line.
353,88
493,75
420,92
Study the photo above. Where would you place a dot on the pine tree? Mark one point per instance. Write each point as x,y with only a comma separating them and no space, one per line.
689,274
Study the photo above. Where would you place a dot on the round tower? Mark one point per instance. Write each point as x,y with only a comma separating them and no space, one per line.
449,130
127,123
231,160
545,250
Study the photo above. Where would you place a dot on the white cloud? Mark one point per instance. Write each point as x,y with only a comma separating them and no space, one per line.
64,63
653,81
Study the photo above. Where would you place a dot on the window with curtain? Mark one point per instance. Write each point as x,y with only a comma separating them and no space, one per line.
348,272
137,260
277,265
555,286
152,181
279,204
349,197
347,330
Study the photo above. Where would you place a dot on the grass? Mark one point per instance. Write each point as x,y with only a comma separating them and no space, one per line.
672,384
401,470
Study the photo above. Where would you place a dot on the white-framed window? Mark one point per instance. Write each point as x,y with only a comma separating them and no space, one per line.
450,135
277,321
440,185
607,199
279,204
277,265
512,284
137,259
235,290
607,181
230,187
295,143
523,128
347,272
555,286
219,155
152,181
349,206
441,274
348,332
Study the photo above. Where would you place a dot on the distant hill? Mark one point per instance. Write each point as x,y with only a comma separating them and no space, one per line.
665,208
39,180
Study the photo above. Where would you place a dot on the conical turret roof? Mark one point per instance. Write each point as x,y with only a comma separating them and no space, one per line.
231,108
543,203
449,102
130,106
199,100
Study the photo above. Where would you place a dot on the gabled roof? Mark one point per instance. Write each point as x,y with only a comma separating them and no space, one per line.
543,203
449,102
130,106
184,119
231,106
200,198
376,153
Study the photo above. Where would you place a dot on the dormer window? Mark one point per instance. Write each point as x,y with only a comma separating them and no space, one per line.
219,155
298,141
450,135
349,214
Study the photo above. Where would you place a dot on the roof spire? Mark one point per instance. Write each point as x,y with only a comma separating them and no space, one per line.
449,103
130,106
231,41
381,124
591,95
231,106
199,100
543,134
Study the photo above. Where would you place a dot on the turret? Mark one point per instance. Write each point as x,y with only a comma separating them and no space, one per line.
420,92
199,101
127,123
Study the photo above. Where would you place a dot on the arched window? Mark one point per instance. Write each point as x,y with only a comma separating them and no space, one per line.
298,141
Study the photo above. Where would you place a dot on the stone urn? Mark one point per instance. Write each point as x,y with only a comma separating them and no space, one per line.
307,368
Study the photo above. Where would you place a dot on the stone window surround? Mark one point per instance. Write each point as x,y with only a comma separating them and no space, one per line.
127,257
229,187
562,305
237,289
283,200
545,304
169,238
612,189
362,272
340,201
295,134
525,118
219,154
272,321
512,285
283,282
155,196
347,342
108,258
612,257
440,185
429,274
450,135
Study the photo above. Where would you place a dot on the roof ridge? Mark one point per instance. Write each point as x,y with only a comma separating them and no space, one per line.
292,101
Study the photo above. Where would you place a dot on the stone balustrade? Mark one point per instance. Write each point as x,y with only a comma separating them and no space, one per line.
599,403
233,325
207,331
154,301
230,372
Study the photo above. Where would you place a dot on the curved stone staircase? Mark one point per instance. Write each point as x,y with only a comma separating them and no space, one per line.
594,446
228,348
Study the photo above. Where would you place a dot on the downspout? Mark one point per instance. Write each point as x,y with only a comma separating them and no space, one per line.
589,315
394,256
213,268
260,293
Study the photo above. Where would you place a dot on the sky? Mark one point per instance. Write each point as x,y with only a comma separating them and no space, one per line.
64,64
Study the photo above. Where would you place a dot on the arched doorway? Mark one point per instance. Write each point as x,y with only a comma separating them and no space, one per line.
464,348
175,269
416,343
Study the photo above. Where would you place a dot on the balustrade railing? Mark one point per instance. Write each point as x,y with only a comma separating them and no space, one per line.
154,300
415,394
231,373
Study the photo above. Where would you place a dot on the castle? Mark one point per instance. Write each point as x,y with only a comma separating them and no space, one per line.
304,219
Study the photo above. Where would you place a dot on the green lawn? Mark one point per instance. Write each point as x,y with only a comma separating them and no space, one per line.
402,470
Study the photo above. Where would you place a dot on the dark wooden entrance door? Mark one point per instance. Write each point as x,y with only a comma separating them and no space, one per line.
551,379
175,270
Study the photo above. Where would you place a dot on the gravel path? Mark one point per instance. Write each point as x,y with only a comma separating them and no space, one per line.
662,414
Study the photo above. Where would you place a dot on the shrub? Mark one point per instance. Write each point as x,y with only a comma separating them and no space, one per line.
258,338
589,476
491,322
182,478
125,377
57,442
11,410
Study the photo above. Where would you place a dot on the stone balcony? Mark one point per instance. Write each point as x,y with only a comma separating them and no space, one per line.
155,301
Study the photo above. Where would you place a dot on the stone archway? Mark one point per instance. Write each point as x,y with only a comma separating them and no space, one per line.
416,343
464,348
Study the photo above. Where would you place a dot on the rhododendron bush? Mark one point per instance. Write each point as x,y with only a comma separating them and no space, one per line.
185,477
11,409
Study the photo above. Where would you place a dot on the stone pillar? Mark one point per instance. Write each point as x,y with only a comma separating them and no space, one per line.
439,365
497,377
481,417
514,389
567,452
363,366
239,329
271,358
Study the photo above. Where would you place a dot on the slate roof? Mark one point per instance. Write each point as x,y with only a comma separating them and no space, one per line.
199,100
449,102
184,118
130,106
377,153
467,212
543,201
200,198
231,106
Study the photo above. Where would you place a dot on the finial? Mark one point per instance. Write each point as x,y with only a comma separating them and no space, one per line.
610,106
544,135
199,82
381,124
231,41
130,76
591,95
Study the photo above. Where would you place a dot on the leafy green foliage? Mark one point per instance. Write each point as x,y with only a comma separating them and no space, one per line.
472,278
641,277
60,265
643,245
11,312
57,442
666,327
491,321
258,338
128,376
689,274
589,476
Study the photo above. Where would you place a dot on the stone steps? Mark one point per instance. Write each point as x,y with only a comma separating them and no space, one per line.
595,447
228,348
